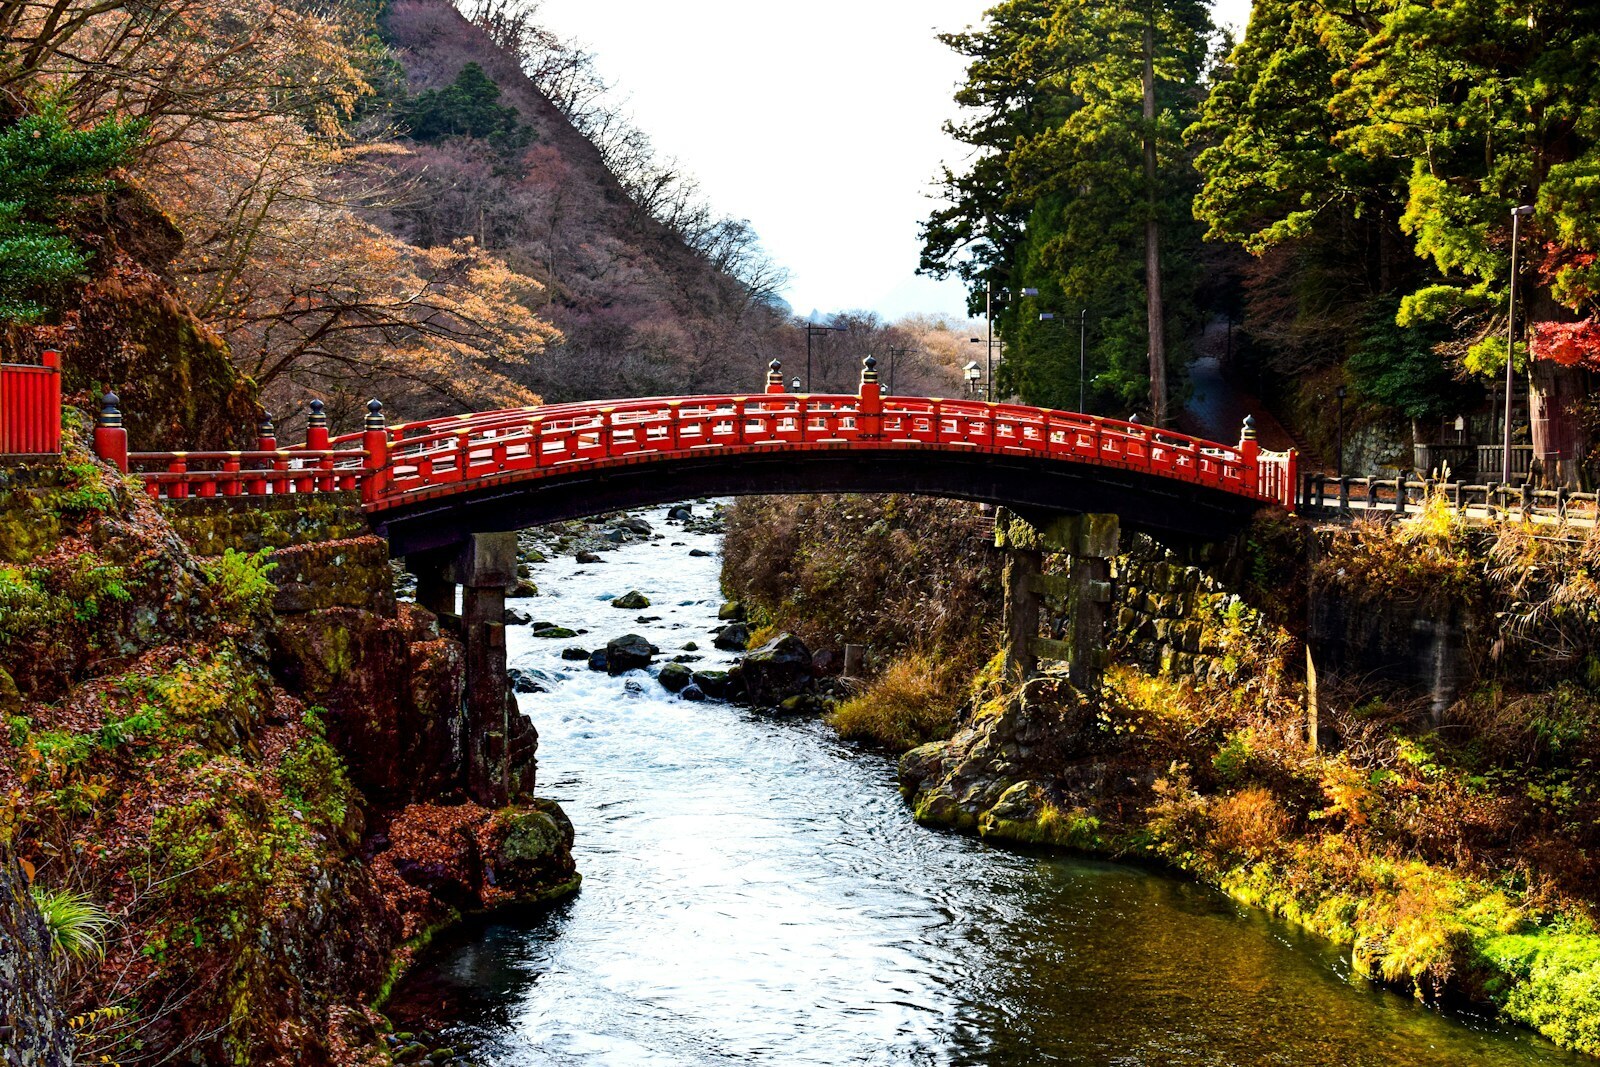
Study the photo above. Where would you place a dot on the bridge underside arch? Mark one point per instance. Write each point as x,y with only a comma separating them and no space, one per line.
1166,508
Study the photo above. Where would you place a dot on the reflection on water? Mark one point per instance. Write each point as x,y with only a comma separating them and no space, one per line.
756,892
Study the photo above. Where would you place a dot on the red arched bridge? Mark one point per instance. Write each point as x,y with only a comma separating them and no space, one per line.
431,484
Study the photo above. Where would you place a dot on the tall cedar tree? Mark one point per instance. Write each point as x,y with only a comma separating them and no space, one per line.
1402,133
1061,196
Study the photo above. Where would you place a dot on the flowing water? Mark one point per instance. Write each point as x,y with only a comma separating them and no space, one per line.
757,892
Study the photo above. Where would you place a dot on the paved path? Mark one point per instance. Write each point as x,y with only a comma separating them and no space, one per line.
1216,409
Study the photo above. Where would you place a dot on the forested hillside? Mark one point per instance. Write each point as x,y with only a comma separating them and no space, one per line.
1338,184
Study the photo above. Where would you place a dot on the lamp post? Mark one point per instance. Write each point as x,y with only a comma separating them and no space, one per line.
988,314
1517,215
812,330
1338,395
972,374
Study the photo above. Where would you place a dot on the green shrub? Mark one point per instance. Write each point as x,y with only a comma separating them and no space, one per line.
77,925
239,581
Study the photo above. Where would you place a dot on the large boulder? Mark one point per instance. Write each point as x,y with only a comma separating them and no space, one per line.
628,652
674,677
711,683
779,669
632,601
734,637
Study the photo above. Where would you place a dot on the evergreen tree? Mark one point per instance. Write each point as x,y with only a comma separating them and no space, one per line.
47,168
1076,192
467,107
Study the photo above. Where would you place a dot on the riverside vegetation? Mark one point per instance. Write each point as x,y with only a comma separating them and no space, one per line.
1452,853
208,781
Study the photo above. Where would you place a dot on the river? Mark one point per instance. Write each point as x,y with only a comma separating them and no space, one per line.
756,892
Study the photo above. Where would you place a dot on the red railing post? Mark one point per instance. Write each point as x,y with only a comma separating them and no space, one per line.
110,439
375,439
266,441
317,428
1291,479
50,359
179,489
775,377
1250,456
230,467
871,394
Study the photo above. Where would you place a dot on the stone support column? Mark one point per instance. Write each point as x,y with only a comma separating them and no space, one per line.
486,567
1091,541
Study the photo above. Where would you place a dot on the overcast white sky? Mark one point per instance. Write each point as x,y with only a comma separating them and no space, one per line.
819,122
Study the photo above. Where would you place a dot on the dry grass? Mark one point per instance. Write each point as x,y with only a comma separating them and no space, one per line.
909,704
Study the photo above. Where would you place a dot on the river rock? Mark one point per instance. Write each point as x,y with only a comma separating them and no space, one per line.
523,682
732,611
693,693
517,617
618,537
628,652
711,683
590,557
734,637
691,646
524,588
632,601
699,553
680,513
631,686
575,653
799,704
642,619
597,660
636,526
1040,738
779,669
675,677
551,633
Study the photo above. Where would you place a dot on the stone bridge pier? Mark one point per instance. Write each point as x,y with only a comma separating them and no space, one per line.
498,742
1091,542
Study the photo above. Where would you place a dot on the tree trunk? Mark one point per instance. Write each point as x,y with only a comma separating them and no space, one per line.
1559,441
1152,235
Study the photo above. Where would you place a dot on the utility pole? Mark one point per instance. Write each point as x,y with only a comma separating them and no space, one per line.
1083,338
812,329
1152,232
1517,215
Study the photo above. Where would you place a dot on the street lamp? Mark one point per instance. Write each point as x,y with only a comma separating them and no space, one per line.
988,314
972,374
1517,215
795,383
812,329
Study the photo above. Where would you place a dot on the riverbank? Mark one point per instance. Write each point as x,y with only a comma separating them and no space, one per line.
1442,835
226,763
756,888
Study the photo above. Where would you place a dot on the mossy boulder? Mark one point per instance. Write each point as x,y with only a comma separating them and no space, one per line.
674,677
627,653
632,601
711,683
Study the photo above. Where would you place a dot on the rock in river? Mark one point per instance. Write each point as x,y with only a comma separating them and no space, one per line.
779,669
632,601
675,677
734,637
628,652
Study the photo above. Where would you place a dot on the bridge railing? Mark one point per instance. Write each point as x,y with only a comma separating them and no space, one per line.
30,407
392,465
1324,496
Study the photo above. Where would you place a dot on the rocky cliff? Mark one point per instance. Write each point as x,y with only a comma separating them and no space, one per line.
252,778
